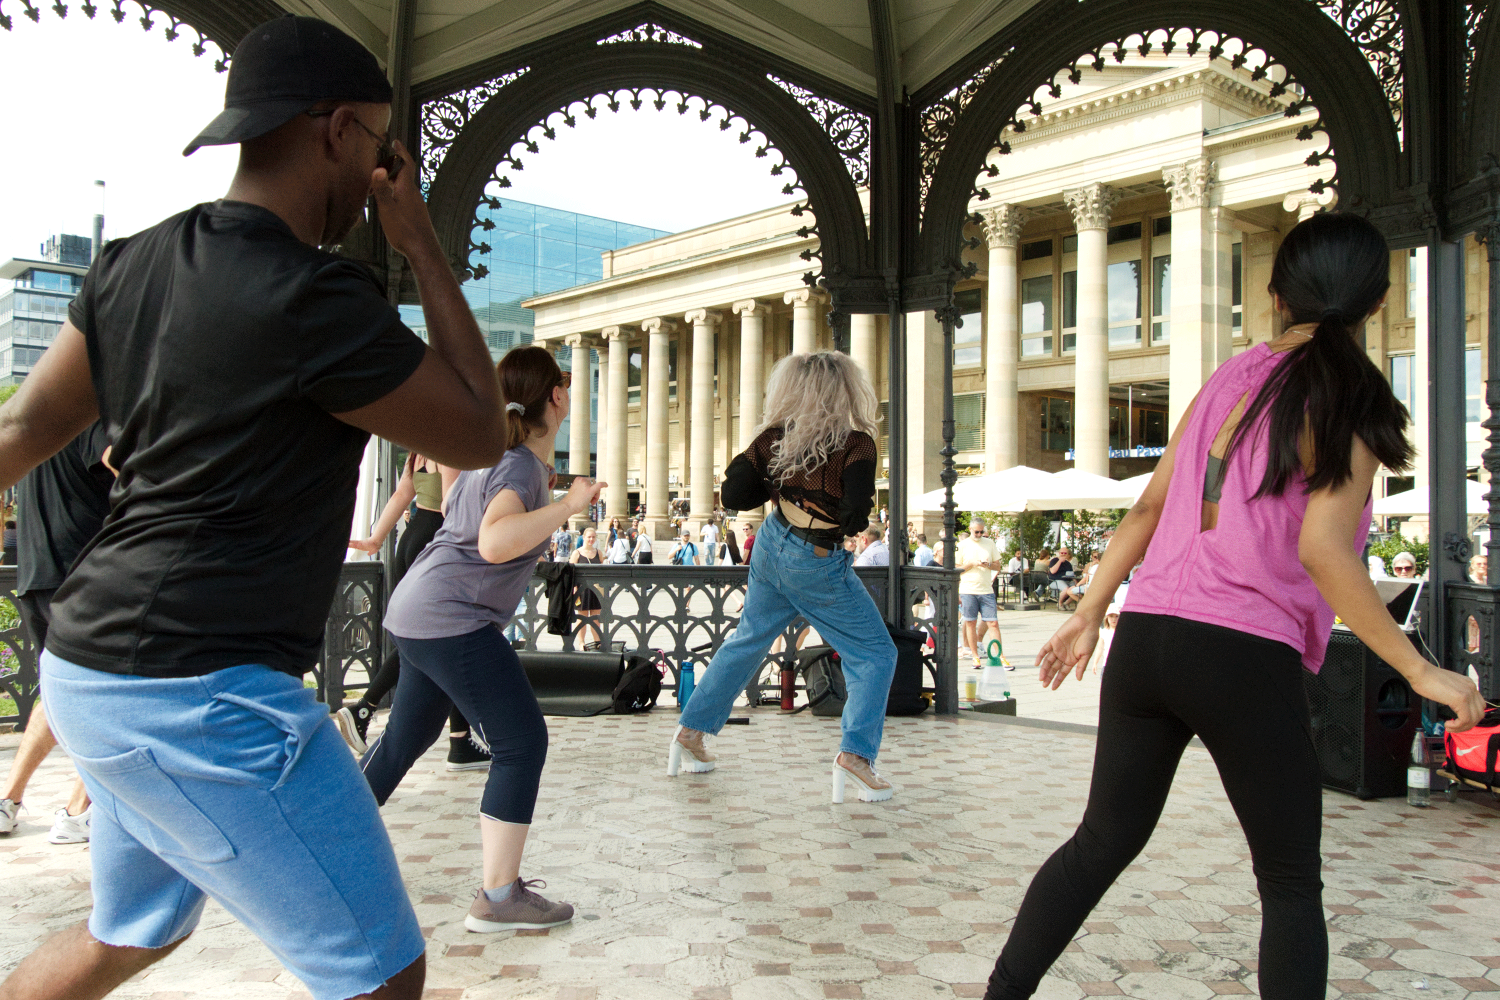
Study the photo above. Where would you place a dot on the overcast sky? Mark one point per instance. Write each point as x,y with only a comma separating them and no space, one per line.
98,100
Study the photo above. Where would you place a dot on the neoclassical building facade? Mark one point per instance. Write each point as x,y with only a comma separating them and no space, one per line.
1122,250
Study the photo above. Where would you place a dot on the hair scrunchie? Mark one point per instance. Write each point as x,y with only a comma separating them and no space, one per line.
1333,312
515,408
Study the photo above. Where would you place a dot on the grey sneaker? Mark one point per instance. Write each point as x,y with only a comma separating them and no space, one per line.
8,811
521,910
70,829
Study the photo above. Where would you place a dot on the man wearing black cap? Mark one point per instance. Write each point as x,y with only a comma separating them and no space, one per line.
239,371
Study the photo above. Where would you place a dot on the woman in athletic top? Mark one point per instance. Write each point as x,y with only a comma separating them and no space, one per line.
587,601
447,616
1252,529
814,455
426,483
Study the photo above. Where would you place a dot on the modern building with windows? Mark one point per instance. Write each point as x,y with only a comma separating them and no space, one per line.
529,250
33,310
1123,250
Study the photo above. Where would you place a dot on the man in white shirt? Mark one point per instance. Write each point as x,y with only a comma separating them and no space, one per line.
871,548
977,561
923,555
709,534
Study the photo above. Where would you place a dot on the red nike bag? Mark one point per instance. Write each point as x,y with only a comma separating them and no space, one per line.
1472,754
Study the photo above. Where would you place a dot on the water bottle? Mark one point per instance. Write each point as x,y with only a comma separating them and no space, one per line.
684,683
1419,774
788,689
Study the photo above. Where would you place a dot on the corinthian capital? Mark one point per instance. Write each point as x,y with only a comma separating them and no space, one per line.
1002,225
1189,183
1092,205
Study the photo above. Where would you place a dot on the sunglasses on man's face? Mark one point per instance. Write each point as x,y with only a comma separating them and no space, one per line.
386,157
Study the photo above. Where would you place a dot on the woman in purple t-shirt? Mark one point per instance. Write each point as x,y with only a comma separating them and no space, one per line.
1251,527
447,615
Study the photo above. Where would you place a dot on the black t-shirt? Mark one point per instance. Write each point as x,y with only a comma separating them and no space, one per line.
1062,569
220,345
63,503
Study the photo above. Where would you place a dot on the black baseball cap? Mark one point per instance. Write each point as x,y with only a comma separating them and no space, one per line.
284,67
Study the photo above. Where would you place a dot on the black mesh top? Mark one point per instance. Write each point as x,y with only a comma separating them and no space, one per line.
840,491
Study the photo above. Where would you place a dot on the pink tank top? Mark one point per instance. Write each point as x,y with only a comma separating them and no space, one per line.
1244,574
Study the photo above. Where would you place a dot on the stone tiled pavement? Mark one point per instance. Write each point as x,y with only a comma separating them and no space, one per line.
746,884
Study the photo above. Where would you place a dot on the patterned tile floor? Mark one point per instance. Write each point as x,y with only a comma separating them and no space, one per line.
746,884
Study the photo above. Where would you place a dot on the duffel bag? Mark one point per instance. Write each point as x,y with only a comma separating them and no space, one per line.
1472,754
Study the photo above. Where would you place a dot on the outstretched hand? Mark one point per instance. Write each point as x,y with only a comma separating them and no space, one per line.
1069,649
584,492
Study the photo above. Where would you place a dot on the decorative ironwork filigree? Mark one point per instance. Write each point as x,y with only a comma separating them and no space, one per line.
940,117
1375,26
568,115
649,33
353,638
147,20
443,118
18,655
848,130
1473,21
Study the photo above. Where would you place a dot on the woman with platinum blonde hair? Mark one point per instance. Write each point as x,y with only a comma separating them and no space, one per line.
814,456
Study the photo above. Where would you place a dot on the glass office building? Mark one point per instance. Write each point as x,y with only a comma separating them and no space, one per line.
32,311
535,250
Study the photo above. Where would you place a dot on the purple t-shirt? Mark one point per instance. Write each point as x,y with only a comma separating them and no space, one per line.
451,589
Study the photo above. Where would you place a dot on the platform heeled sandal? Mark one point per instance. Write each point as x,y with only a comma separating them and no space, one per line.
869,786
691,756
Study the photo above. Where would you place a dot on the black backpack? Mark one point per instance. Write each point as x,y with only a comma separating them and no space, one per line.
640,685
824,681
906,685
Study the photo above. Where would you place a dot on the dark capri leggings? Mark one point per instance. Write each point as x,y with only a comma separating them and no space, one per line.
1166,680
481,675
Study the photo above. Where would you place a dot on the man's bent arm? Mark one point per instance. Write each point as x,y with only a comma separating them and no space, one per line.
52,407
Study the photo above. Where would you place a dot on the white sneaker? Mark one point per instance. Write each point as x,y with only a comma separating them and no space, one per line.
8,810
70,829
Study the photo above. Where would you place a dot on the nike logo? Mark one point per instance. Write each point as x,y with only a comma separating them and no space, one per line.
1467,750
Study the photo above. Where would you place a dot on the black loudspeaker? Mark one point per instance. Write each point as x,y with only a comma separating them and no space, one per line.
1364,716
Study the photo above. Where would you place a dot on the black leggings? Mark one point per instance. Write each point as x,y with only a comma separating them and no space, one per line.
419,531
1166,680
478,672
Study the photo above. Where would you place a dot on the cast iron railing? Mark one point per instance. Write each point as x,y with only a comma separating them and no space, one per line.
669,608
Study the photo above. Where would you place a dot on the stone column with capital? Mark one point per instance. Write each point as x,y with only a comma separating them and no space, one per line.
701,455
615,424
804,303
1091,206
658,523
579,436
1307,204
1002,416
752,316
1200,307
862,344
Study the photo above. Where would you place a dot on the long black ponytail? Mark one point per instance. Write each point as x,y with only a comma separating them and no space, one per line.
1332,270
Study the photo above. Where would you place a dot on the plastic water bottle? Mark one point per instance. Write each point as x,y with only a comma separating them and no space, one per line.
1419,774
684,683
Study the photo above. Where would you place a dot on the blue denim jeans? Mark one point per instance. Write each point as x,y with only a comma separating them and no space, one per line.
233,785
788,579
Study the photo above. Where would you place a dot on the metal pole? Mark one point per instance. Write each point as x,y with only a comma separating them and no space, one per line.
948,316
1448,519
895,408
98,225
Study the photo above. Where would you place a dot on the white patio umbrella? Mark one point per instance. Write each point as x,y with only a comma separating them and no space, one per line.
1413,503
1136,484
1074,489
1005,490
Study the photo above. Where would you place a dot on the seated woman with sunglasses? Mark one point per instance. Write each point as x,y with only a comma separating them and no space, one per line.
814,455
447,615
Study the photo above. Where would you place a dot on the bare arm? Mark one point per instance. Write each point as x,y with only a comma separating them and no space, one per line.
510,530
52,407
1072,644
449,409
404,494
1326,550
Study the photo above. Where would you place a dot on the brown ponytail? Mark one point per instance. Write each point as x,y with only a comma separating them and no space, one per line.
527,377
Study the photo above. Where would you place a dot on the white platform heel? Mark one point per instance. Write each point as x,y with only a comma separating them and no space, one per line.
690,755
868,785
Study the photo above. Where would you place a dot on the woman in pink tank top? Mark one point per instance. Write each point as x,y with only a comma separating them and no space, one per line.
1252,529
